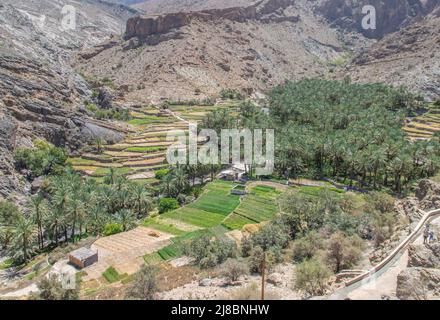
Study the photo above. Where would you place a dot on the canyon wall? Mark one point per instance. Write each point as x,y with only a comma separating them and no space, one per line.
266,11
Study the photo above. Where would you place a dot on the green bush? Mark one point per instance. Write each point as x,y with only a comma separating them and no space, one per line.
271,236
91,107
231,94
112,228
116,114
305,248
312,277
144,285
159,174
168,204
44,159
232,269
209,252
257,256
51,288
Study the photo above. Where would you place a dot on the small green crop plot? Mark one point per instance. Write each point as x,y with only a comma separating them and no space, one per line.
260,205
237,222
317,191
196,217
177,248
161,226
149,120
111,275
144,149
153,258
211,208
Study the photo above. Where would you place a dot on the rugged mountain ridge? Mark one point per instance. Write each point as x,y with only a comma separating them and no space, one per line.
408,57
251,48
266,11
171,6
391,15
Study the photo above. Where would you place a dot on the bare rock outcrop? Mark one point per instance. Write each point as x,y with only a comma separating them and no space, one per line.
427,198
418,284
421,280
266,11
424,256
428,194
391,14
142,27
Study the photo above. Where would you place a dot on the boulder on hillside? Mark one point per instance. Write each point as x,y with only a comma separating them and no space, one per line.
105,98
426,256
418,284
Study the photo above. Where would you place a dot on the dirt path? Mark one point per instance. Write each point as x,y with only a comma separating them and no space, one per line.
384,282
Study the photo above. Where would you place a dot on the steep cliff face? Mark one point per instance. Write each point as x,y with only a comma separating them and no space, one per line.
170,6
266,10
144,26
391,14
40,93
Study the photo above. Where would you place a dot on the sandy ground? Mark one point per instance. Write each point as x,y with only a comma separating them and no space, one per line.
125,251
22,292
218,288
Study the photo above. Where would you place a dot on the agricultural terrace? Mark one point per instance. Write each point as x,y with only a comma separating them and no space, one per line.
423,127
142,152
217,212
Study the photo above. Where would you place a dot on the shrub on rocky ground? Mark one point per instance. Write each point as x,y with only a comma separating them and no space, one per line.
144,285
312,277
233,269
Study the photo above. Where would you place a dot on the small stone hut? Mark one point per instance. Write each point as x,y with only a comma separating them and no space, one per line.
83,257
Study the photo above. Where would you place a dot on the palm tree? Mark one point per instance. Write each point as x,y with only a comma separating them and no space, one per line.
76,212
378,160
142,200
24,234
180,180
95,219
126,218
99,145
55,221
191,170
110,178
168,186
60,201
38,209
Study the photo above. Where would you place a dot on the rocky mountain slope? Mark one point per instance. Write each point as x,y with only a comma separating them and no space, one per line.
250,48
409,57
391,15
421,279
171,6
40,92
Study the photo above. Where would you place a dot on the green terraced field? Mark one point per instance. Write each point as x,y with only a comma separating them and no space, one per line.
149,120
160,226
144,149
425,125
199,218
237,222
176,249
210,208
258,206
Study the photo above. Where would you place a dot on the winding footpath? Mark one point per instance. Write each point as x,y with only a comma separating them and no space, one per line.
381,279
